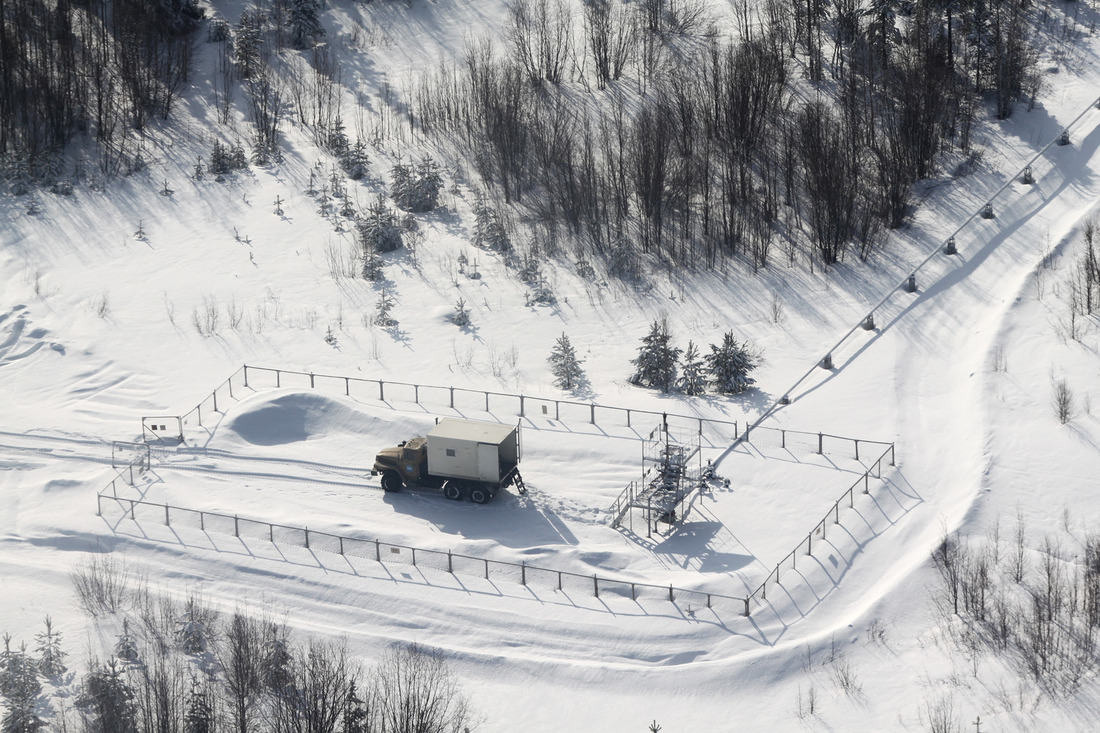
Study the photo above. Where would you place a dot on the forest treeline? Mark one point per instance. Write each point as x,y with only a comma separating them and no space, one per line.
616,132
700,146
179,665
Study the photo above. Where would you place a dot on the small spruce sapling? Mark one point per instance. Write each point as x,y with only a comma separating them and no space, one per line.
693,376
126,647
51,657
461,315
489,232
198,716
382,313
564,364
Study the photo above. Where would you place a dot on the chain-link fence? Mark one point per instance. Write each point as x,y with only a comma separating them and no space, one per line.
387,552
405,395
832,516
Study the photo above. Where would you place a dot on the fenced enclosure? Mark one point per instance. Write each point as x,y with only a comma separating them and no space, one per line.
388,552
703,430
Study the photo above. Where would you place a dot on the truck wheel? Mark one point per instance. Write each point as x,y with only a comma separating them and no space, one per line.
391,481
452,490
480,495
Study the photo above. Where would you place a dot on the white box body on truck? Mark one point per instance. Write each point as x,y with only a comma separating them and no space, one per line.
466,458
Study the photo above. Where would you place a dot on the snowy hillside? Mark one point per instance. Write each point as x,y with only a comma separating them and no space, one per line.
132,299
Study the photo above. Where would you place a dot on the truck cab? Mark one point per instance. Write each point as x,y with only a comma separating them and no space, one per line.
408,460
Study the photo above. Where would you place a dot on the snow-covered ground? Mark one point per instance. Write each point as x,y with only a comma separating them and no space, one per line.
98,329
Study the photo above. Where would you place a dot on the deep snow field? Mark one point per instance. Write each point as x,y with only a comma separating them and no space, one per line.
97,331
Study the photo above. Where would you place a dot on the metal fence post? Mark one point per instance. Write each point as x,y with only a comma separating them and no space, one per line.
98,505
450,566
891,454
486,568
866,488
202,522
820,443
523,573
857,448
307,540
559,580
133,518
341,539
416,394
486,402
199,411
452,398
593,411
521,406
670,596
746,606
278,378
236,526
414,555
381,391
246,376
312,384
347,387
167,522
596,585
377,552
215,400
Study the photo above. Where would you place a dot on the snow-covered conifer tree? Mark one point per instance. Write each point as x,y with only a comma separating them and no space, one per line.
198,716
729,366
488,230
378,229
656,363
305,22
693,375
564,364
417,189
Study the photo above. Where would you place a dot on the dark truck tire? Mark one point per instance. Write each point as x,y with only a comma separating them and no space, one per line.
391,481
480,495
453,490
